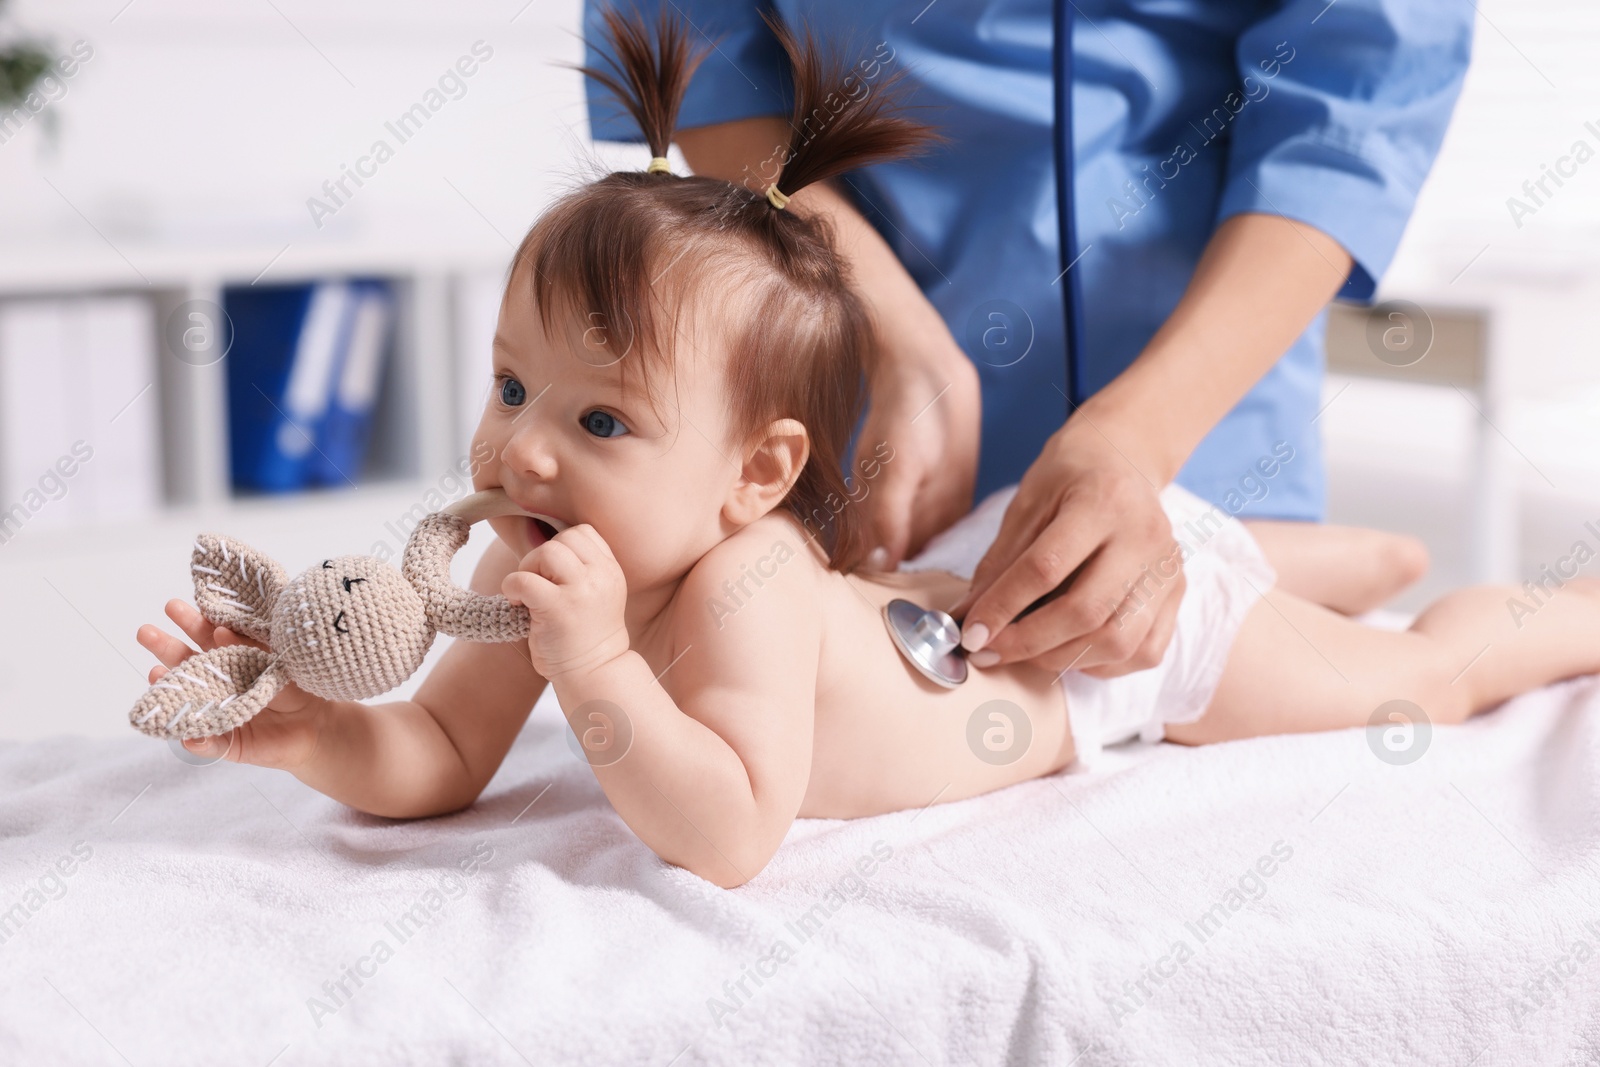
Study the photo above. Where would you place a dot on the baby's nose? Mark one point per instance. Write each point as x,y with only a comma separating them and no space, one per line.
531,450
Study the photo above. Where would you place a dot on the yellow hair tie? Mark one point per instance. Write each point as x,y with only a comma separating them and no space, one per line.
776,198
658,165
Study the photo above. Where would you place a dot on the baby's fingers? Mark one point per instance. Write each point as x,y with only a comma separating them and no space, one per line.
557,561
586,543
200,629
214,748
166,648
191,622
528,588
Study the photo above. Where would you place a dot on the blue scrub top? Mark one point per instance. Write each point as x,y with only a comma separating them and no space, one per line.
1180,114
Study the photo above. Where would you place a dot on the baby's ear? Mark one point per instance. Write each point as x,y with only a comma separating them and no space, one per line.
772,464
235,586
210,693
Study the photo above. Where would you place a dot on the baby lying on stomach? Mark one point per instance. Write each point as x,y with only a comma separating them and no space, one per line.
676,376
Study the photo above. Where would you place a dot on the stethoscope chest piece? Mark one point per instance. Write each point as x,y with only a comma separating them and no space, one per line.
929,639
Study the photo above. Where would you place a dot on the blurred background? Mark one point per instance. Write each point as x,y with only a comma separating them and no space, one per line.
223,306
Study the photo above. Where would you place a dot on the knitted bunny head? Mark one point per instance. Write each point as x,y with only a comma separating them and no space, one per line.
348,628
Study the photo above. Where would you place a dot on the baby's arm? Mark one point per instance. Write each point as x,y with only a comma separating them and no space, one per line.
426,756
434,753
720,751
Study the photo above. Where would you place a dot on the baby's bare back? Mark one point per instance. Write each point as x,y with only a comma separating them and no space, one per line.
884,738
888,739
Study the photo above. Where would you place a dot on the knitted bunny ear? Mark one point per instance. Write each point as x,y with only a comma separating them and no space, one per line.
426,565
235,586
209,693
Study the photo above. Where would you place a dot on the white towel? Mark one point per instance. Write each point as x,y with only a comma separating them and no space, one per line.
1443,912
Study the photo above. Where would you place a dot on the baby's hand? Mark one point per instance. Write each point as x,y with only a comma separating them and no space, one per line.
283,735
575,594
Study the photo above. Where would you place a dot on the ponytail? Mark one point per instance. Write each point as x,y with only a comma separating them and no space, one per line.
800,339
653,80
826,141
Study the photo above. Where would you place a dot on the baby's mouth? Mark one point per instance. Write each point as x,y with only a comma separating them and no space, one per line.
544,528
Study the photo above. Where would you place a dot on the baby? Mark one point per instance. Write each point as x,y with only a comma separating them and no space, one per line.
677,373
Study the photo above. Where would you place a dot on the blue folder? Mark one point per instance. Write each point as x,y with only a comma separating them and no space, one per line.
291,425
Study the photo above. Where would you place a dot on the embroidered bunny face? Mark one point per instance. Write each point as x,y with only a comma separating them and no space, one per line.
348,628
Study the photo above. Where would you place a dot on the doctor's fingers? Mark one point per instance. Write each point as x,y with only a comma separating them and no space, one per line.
1025,518
1025,567
945,496
1112,600
887,508
1089,600
1154,646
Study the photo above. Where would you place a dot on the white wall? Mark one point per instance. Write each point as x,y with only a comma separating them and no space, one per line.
197,129
211,123
1402,457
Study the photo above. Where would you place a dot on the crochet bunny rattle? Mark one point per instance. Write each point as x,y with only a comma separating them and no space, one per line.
347,629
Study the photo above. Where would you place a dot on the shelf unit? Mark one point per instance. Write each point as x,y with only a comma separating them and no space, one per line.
81,590
421,426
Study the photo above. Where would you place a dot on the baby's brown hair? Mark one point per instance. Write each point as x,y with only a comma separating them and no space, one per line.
800,337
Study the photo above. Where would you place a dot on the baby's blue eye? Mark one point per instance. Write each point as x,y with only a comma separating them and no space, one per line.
512,394
603,424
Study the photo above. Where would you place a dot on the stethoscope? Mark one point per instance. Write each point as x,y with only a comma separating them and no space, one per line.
930,639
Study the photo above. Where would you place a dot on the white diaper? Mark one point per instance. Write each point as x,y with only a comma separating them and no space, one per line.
1226,574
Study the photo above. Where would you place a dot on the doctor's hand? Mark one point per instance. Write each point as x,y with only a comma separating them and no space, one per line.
918,450
1082,506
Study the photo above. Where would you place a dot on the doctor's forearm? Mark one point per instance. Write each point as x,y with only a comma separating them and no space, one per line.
1260,281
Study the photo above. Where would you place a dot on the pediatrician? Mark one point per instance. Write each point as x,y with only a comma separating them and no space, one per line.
1123,257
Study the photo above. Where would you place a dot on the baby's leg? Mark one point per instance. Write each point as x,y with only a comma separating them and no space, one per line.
1347,568
1298,667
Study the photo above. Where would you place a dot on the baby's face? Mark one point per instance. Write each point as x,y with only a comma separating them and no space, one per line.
573,444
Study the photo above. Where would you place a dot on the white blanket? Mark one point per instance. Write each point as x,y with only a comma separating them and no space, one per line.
1444,912
1430,913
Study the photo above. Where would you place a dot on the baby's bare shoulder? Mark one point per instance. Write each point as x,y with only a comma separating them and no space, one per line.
760,580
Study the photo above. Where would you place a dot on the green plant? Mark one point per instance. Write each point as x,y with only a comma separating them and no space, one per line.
21,64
